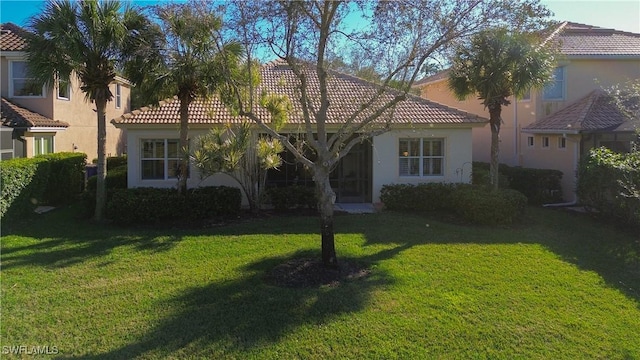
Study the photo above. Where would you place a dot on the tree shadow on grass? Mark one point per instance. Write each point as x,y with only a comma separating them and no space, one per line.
224,319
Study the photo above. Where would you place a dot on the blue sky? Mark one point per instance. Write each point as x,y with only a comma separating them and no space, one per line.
620,14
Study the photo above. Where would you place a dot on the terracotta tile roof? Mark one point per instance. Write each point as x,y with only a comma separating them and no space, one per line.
17,116
11,37
346,95
594,112
586,40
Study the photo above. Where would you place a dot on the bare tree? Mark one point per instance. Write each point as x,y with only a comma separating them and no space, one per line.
400,37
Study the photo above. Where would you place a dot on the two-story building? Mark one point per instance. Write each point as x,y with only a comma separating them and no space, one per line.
554,127
38,120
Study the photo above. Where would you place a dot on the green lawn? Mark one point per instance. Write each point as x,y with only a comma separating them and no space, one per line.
556,286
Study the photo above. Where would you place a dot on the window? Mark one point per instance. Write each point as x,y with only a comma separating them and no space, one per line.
562,142
118,96
545,141
21,84
530,142
160,159
526,96
43,144
555,89
421,157
64,90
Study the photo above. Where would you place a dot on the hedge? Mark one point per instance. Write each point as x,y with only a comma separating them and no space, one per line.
475,204
540,186
610,183
290,197
52,179
142,206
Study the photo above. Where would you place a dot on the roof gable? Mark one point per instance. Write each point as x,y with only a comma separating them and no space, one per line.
595,112
346,94
14,115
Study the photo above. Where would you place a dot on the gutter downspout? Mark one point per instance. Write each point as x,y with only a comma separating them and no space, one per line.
575,178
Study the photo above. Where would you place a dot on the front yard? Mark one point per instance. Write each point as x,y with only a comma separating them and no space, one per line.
556,286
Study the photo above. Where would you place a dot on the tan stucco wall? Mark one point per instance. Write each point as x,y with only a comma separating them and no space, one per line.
582,76
83,132
81,135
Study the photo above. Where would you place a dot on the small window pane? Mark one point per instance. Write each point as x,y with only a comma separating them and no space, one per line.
26,87
436,167
172,148
404,166
414,147
404,148
63,89
414,167
436,148
19,69
153,169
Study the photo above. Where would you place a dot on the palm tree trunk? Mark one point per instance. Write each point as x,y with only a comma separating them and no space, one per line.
326,199
495,120
185,100
101,189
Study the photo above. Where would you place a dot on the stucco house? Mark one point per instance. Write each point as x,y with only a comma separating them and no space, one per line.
37,120
555,127
429,142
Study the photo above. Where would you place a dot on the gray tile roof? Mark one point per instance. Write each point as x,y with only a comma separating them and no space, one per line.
11,37
346,93
586,40
16,116
595,112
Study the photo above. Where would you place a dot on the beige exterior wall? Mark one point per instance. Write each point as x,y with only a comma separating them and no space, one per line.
581,77
81,135
385,167
457,157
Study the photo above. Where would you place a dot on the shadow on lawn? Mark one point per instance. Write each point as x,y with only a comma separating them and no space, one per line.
221,319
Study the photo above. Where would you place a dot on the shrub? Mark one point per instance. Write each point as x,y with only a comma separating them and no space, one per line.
52,179
115,179
295,196
610,182
485,207
540,186
421,197
23,185
154,206
114,162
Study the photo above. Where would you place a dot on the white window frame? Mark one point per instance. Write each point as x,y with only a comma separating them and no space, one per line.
545,142
165,159
562,142
118,96
526,97
531,142
556,82
421,157
12,85
37,142
67,96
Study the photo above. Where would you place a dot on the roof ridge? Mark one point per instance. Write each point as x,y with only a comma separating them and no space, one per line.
591,100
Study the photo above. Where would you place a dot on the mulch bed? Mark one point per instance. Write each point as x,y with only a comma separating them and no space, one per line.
308,272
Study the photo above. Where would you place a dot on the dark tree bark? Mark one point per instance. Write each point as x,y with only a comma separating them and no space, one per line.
185,100
101,191
326,199
495,120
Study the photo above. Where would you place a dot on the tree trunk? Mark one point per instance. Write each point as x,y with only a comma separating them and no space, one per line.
326,199
495,120
184,144
101,189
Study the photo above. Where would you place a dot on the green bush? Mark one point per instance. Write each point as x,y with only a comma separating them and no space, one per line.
610,183
23,185
114,162
485,207
115,179
422,197
52,179
540,186
154,206
295,196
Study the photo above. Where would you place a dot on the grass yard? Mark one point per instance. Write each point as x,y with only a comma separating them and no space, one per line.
557,286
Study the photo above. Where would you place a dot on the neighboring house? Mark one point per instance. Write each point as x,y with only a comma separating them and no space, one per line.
428,142
37,120
555,127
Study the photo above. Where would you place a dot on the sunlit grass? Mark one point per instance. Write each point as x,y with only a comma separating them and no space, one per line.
556,286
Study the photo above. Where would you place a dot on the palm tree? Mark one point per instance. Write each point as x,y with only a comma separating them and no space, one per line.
87,40
497,64
187,64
